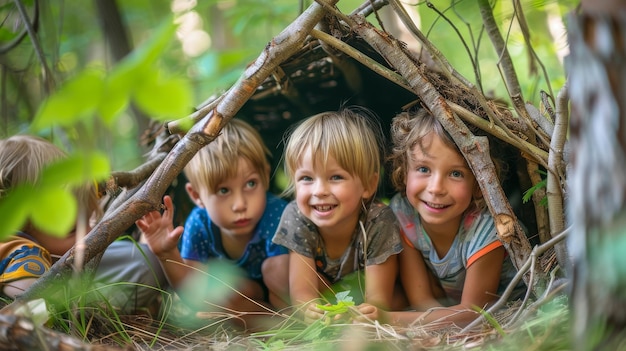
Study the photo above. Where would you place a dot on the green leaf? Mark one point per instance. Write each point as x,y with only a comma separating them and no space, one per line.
164,98
144,56
529,193
343,296
14,211
77,169
116,96
55,212
76,100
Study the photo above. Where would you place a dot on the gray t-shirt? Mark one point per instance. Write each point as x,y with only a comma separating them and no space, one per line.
380,240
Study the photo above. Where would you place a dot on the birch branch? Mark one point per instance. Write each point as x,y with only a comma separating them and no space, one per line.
556,175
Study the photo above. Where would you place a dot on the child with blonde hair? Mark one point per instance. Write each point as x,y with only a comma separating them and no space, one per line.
234,220
336,227
30,252
452,256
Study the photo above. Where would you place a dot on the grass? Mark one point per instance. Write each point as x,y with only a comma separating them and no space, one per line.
546,329
177,326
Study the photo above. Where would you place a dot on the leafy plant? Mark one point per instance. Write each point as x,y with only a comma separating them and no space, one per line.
343,305
529,193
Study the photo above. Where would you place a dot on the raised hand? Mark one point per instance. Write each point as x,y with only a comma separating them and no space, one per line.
158,229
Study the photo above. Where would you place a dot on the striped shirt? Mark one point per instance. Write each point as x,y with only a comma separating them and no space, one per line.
476,237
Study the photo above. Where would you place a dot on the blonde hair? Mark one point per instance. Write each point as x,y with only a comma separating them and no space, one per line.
408,130
24,157
350,136
218,161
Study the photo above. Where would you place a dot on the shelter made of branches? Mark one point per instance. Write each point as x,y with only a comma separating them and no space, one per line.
326,59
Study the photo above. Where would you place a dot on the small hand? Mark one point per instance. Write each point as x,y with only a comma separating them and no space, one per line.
158,229
369,313
312,313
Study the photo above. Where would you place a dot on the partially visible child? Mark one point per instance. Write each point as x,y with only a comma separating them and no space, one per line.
128,277
234,220
335,227
452,256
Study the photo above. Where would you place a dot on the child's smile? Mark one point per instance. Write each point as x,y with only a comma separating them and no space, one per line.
328,195
440,184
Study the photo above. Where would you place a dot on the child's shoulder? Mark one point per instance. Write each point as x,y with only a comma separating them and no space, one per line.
20,242
479,218
378,210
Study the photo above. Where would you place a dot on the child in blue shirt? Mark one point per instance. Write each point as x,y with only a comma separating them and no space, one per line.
234,220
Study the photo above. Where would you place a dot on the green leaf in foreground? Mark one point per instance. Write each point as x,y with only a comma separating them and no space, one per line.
57,210
13,211
344,302
77,99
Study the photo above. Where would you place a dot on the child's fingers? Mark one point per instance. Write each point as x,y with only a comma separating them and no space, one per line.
312,313
176,233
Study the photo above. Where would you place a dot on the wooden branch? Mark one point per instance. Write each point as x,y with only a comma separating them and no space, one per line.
556,175
505,61
531,150
21,333
537,251
48,77
444,66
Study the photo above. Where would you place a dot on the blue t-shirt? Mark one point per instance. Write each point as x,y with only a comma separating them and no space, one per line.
202,239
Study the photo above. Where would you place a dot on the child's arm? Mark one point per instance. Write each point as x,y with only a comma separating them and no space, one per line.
481,285
415,278
304,286
162,239
380,281
15,288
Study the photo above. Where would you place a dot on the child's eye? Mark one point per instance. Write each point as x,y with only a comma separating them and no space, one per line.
336,177
456,174
222,191
251,184
422,169
305,179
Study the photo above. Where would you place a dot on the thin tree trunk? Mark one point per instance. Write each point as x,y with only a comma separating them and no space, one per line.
597,83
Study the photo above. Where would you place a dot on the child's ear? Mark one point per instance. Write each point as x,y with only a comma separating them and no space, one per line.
193,195
370,187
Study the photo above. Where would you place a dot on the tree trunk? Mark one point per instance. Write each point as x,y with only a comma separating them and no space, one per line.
597,85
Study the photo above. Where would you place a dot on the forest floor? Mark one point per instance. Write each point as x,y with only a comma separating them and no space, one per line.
538,326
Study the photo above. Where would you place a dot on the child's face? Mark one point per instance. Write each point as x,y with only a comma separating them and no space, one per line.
328,195
439,185
238,204
56,246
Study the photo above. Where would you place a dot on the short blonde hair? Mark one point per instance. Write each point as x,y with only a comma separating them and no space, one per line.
24,157
351,136
218,161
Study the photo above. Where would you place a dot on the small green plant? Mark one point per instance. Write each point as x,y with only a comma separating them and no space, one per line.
529,193
343,305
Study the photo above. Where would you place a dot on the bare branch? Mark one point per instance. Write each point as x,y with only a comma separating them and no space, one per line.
556,174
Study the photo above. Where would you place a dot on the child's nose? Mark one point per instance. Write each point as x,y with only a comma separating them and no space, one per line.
239,202
320,188
436,184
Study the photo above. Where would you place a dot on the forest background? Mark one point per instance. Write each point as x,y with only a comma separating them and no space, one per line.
95,73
